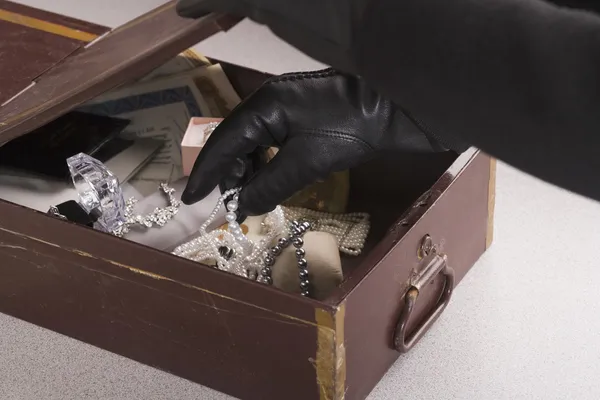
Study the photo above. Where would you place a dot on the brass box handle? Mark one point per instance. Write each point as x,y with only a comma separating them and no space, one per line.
435,264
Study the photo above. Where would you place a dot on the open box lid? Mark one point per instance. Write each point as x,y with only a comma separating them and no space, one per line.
33,41
119,56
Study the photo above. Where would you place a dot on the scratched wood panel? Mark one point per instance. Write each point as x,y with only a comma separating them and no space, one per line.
27,49
52,18
223,343
25,54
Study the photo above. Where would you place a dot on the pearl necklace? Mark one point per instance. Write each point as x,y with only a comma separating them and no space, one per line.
350,230
235,253
231,249
297,230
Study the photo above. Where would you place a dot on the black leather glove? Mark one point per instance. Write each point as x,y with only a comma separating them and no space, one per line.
322,122
324,29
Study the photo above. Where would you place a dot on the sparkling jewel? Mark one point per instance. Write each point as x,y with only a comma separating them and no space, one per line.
210,127
247,257
160,216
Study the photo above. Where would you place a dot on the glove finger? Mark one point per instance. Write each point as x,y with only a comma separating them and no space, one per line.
290,171
244,169
239,135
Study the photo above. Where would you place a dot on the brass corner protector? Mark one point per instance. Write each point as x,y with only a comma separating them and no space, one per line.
330,360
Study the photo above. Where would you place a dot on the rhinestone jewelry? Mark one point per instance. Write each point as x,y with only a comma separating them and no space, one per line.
159,217
231,249
56,213
100,193
210,128
297,231
350,230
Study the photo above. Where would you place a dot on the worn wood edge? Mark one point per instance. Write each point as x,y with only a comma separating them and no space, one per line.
330,361
152,276
491,204
46,26
196,56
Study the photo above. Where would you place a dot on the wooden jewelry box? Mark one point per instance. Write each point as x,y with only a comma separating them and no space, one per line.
431,221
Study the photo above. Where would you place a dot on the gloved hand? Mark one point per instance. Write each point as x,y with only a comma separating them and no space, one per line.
322,122
324,29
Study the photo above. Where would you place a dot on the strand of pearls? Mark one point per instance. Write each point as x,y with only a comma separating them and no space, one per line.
350,230
297,231
231,249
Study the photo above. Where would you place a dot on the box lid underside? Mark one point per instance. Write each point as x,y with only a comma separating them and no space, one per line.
71,62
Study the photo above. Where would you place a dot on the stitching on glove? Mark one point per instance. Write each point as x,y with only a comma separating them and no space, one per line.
339,135
298,76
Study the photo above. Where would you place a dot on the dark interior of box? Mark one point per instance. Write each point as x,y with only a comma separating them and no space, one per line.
385,188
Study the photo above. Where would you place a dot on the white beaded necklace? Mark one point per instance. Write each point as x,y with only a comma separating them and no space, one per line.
247,257
235,253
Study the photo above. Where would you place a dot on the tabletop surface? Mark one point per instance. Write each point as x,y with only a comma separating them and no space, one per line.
522,325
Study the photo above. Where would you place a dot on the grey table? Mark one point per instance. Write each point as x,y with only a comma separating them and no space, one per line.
523,325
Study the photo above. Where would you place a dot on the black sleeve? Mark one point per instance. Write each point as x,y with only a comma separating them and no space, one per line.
519,79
